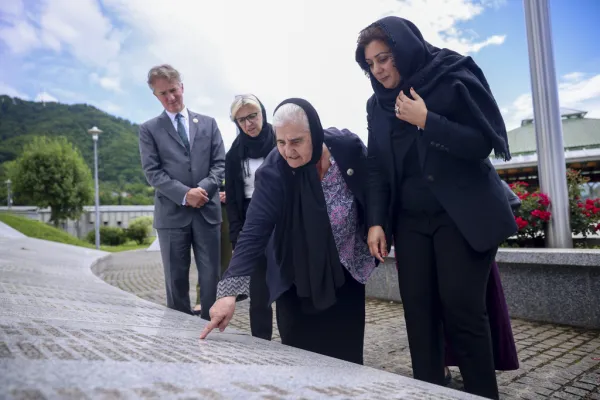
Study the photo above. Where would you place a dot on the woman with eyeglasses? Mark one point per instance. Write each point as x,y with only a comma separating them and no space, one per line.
254,142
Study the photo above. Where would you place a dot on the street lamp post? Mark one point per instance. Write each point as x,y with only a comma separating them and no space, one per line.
547,121
8,194
95,132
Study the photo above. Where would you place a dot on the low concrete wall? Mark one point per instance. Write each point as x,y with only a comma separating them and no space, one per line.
547,285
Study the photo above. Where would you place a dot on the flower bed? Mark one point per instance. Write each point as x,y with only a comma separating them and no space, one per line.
535,212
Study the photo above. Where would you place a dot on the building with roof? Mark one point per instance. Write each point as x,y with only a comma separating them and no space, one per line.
581,138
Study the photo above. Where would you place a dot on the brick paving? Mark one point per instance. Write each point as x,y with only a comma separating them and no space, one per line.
557,362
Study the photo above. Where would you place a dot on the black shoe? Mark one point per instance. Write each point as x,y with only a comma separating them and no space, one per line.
448,378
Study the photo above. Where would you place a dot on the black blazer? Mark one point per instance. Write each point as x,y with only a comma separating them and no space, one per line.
255,239
454,160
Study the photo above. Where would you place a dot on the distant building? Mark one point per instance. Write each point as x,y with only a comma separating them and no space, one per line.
581,138
118,216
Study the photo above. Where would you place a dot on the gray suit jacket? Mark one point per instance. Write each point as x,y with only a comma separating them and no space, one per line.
171,171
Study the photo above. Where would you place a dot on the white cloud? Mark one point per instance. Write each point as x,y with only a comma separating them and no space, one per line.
203,101
78,27
81,26
11,91
579,91
305,50
21,37
108,83
573,76
45,97
271,48
12,8
494,3
109,107
575,90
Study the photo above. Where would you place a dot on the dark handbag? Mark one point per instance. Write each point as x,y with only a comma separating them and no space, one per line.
512,198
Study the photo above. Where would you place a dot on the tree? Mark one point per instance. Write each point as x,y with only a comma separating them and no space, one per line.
52,173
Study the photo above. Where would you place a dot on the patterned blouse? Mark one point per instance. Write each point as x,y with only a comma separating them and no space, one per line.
343,215
341,207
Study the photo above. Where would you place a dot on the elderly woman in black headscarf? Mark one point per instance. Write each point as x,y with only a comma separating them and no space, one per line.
253,144
308,211
433,123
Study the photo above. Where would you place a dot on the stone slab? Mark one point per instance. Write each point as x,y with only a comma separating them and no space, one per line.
574,257
558,257
65,333
562,294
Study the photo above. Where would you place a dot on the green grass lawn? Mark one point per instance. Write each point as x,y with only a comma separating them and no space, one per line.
40,230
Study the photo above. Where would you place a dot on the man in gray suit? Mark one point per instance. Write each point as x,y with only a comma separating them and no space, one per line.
183,158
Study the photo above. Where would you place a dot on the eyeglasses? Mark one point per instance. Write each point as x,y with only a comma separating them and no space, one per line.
249,117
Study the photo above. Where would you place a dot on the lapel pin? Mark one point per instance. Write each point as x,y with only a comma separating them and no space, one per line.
350,172
195,120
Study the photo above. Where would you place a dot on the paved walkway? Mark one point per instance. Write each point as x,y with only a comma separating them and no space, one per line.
9,232
557,362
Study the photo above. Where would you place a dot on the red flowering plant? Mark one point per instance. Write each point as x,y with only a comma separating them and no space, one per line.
585,214
533,215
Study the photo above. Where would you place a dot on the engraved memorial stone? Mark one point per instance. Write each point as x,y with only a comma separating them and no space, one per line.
65,333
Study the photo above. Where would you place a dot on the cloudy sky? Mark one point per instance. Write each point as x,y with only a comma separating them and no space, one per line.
99,51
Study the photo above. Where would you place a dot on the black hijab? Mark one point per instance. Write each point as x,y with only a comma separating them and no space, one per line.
430,70
245,147
304,244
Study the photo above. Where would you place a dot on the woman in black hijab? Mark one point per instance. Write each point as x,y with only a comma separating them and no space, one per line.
307,211
433,123
253,144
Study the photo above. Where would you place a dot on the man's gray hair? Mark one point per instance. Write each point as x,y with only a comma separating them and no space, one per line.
164,71
290,113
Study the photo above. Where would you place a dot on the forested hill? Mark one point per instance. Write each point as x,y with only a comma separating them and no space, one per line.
119,158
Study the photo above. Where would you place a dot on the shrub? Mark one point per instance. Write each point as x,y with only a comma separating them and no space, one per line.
584,215
109,236
139,229
533,215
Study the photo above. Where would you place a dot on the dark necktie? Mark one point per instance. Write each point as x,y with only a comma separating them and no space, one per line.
181,131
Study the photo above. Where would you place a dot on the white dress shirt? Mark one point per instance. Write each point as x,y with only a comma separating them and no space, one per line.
186,123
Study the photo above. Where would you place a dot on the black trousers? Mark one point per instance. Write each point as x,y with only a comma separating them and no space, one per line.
443,285
337,332
261,312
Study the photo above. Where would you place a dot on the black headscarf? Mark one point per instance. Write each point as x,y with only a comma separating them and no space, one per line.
246,147
431,72
304,244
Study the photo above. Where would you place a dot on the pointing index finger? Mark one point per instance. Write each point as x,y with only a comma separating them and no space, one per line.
208,328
